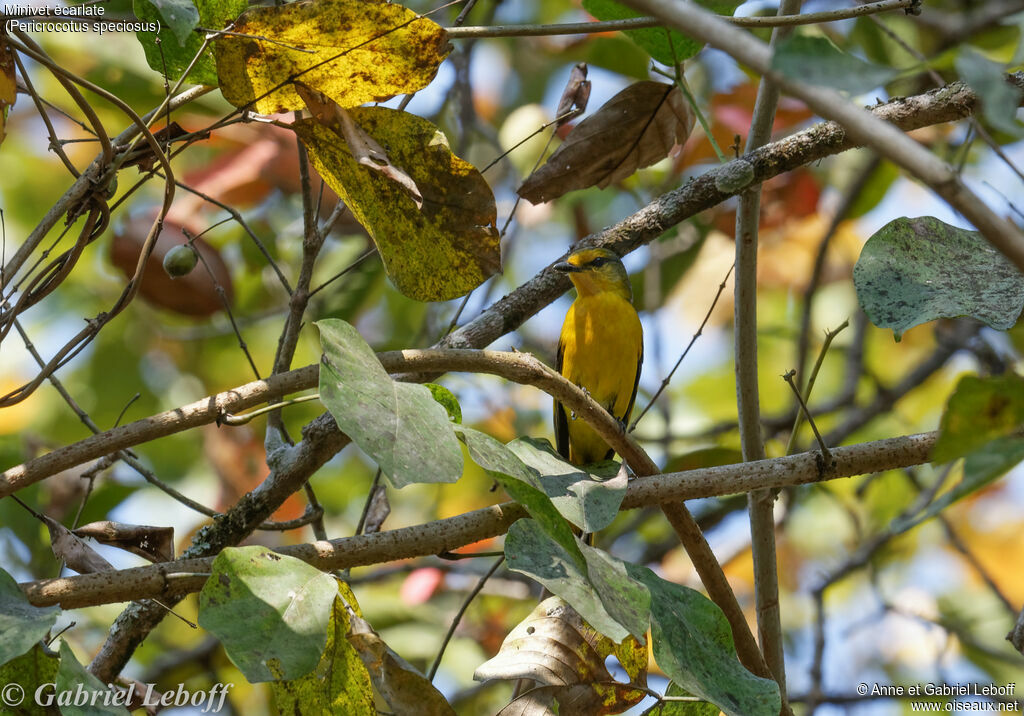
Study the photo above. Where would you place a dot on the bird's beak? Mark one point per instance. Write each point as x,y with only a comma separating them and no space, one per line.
565,267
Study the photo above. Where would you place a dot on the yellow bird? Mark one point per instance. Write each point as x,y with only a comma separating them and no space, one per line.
601,349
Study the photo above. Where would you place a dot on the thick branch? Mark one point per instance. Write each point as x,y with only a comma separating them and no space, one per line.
155,581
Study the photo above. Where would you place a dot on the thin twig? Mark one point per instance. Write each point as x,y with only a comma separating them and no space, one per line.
825,453
636,23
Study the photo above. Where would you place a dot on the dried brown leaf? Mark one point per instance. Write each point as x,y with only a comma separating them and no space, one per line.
634,129
575,96
74,552
153,543
556,648
378,510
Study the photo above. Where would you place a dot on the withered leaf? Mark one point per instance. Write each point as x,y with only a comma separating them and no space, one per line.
73,551
153,543
575,95
556,648
634,129
365,149
378,510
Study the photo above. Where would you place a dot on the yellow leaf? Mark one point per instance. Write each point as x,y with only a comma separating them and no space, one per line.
436,253
354,51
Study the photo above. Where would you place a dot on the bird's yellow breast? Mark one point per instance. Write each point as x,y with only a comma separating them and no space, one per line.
601,348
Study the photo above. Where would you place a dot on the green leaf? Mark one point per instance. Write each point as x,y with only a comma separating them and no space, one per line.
31,670
399,425
353,51
181,16
602,591
818,61
589,502
656,40
693,645
978,411
524,486
174,47
270,611
447,400
339,684
916,270
21,624
999,99
71,675
434,253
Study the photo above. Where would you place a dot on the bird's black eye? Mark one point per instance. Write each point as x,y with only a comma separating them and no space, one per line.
599,261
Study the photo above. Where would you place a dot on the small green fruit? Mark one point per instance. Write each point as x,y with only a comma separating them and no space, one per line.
180,261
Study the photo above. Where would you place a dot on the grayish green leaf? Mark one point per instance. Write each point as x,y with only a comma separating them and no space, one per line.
999,99
399,425
693,645
524,486
21,624
916,270
589,502
818,61
270,611
602,592
180,16
178,44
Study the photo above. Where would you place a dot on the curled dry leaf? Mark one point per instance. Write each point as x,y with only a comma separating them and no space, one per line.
556,648
634,129
365,149
575,95
73,551
153,543
194,294
378,510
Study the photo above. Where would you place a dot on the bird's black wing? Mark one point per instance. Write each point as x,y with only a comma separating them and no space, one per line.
636,384
561,418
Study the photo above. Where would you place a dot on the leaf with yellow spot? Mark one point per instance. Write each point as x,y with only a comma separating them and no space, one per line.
354,51
434,253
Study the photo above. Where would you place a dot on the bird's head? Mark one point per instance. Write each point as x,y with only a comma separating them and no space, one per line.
595,271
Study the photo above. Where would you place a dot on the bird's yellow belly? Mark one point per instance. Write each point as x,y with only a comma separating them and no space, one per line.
602,343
